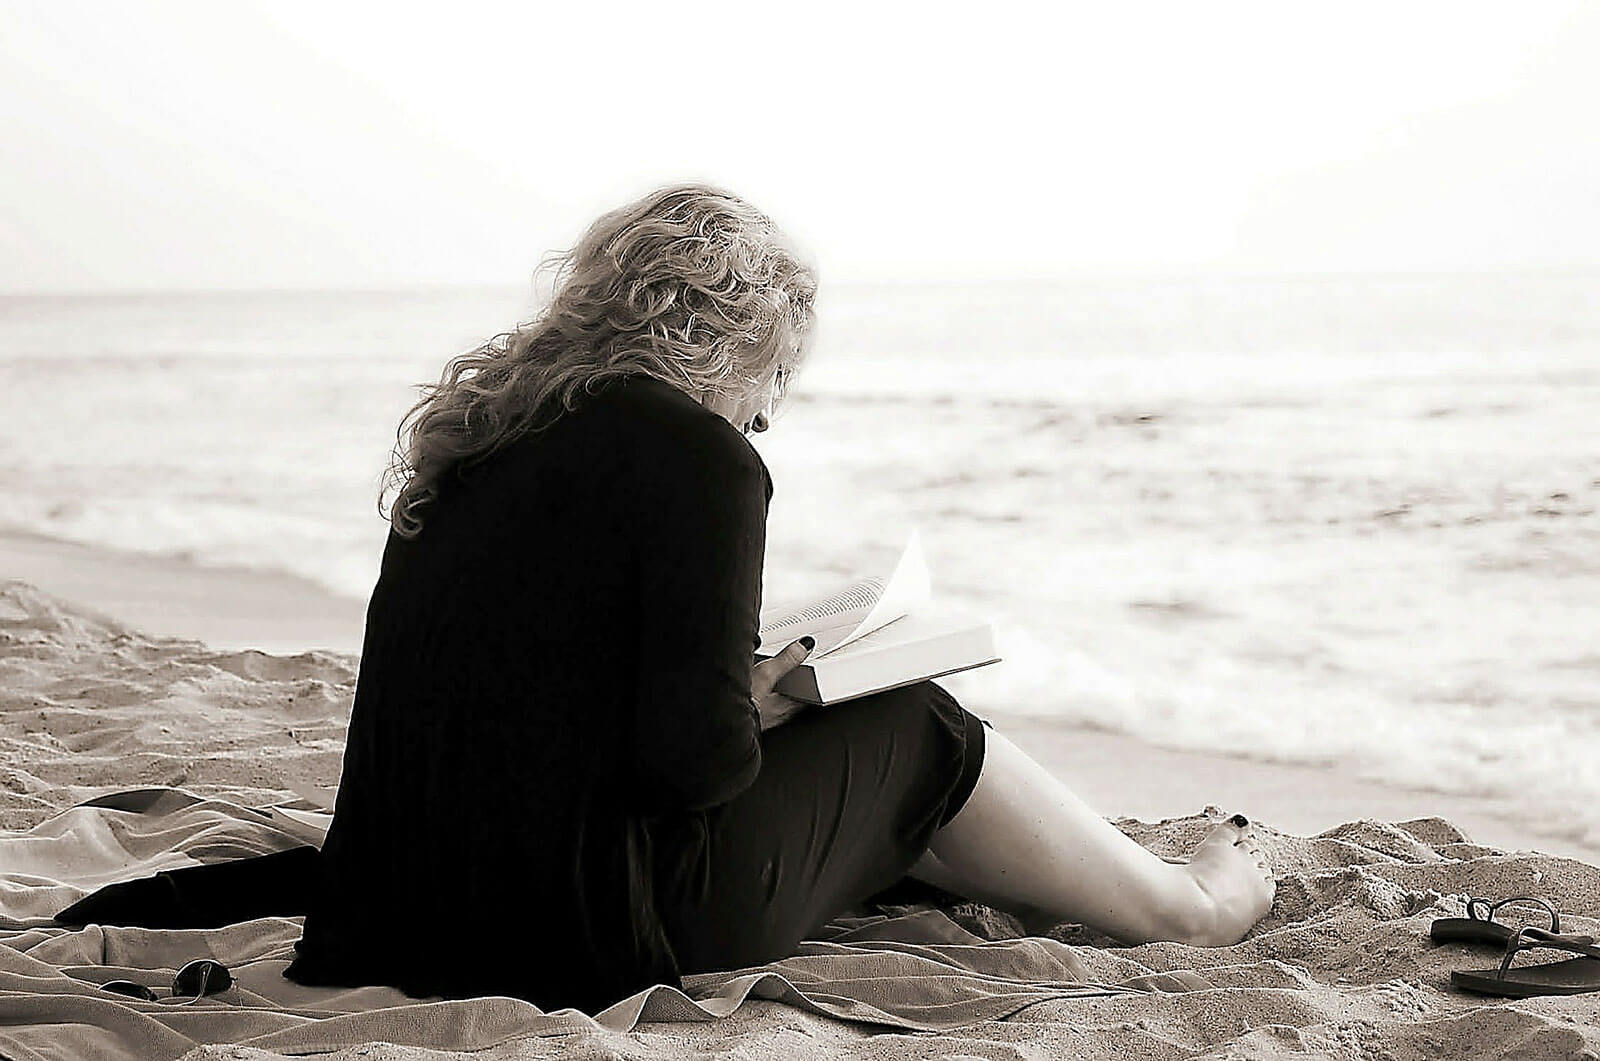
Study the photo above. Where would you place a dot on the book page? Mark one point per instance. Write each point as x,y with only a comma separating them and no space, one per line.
908,588
828,620
855,611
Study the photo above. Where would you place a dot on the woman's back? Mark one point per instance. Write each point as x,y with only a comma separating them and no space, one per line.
562,654
556,784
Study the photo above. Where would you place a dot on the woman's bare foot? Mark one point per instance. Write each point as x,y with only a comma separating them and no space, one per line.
1237,884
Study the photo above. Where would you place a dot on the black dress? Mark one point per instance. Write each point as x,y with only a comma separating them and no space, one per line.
555,786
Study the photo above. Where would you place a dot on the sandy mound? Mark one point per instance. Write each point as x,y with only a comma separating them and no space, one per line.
86,703
1341,968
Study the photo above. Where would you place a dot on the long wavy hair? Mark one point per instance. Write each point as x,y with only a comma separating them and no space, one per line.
690,285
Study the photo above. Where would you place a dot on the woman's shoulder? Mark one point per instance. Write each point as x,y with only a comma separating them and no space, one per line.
652,402
669,427
643,436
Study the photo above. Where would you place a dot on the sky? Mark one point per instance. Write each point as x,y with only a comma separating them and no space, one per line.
239,145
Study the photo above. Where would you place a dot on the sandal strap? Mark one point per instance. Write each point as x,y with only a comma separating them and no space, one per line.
1530,938
1491,907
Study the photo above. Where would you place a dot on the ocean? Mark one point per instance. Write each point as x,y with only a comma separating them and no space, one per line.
1342,520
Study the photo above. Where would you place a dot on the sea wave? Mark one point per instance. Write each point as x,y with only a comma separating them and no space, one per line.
1377,554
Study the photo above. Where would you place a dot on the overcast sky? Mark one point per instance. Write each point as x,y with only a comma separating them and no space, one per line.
285,144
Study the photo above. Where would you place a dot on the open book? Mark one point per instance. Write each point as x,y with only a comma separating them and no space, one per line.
875,634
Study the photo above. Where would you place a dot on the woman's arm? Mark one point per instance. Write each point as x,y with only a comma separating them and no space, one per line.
702,535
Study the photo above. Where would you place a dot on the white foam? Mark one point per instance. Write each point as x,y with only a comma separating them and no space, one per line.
1372,554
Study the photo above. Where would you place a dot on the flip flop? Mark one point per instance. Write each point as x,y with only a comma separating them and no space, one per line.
1476,928
1575,976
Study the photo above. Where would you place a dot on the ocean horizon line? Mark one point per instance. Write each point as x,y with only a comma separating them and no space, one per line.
1066,278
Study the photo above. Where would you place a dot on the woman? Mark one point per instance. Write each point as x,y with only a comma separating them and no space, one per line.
565,778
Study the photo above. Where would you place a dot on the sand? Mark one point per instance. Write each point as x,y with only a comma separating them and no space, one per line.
1341,967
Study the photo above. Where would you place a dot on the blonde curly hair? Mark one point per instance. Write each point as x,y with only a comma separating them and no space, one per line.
690,285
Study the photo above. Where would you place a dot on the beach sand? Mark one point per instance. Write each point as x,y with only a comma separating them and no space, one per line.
1341,968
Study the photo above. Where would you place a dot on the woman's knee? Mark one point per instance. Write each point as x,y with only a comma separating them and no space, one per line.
911,728
959,740
914,704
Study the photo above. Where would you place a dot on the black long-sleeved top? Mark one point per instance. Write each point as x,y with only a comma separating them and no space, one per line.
560,657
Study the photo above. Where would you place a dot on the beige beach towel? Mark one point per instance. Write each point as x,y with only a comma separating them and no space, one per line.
918,970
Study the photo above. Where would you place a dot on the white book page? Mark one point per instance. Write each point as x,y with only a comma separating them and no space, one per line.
829,620
855,611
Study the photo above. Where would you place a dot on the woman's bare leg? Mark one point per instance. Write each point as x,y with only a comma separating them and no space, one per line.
1023,842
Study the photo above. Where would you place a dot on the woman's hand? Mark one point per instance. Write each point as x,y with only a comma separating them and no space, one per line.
774,708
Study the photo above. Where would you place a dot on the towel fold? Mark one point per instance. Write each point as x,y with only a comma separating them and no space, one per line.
910,968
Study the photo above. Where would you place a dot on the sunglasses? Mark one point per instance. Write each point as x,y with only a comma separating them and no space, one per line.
195,980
